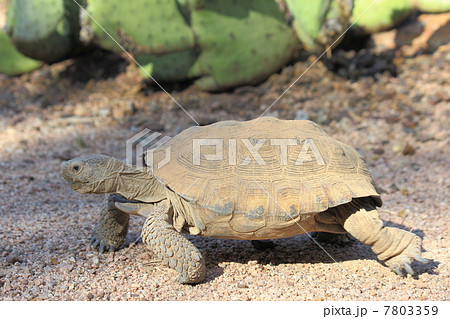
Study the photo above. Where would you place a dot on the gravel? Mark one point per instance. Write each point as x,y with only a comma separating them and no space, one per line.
398,121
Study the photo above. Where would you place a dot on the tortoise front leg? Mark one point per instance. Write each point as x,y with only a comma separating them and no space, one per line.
112,227
173,249
396,247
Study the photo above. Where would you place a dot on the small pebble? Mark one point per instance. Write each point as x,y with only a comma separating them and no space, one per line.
301,115
409,150
242,284
13,258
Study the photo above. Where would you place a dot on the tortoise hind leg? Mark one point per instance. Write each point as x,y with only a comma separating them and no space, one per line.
396,247
329,228
112,227
173,249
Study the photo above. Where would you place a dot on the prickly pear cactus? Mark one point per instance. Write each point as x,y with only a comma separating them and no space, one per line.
433,5
219,43
385,14
382,15
143,27
45,30
240,42
319,23
168,67
154,31
12,62
225,43
222,43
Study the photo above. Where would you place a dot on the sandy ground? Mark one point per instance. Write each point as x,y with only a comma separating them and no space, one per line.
396,115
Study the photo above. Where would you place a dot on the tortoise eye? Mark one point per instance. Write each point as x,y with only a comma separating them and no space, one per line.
76,168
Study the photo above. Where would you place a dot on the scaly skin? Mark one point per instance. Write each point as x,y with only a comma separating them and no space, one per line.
172,248
112,227
396,247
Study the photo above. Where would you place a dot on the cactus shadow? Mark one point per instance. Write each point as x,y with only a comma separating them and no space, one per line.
364,63
97,65
439,37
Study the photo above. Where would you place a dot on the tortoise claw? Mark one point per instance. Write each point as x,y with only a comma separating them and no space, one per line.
420,259
102,247
95,243
397,270
399,263
408,269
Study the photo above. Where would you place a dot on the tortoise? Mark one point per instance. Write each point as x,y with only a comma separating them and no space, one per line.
253,180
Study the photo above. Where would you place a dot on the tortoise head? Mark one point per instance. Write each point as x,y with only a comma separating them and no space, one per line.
101,174
92,174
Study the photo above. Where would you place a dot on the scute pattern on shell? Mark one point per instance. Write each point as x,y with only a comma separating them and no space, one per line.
249,196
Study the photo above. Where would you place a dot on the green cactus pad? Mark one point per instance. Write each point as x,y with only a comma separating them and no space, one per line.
318,23
12,62
240,42
382,15
141,27
45,30
433,5
308,19
168,67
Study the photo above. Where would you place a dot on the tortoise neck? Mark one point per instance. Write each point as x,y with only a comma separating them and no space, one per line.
133,183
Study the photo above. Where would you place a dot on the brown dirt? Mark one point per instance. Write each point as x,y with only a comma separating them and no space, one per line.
395,111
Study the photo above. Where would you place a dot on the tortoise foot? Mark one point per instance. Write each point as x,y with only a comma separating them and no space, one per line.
402,262
397,248
103,245
111,229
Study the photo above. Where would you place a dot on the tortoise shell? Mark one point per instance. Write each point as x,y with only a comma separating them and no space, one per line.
241,178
